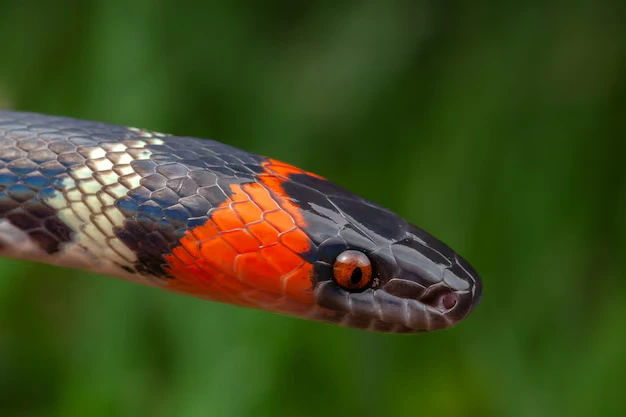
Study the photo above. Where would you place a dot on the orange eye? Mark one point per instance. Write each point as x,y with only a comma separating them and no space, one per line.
352,270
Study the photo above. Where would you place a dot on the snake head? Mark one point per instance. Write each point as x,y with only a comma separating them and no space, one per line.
373,270
417,284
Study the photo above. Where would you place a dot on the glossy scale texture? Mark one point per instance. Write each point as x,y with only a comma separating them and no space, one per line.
215,222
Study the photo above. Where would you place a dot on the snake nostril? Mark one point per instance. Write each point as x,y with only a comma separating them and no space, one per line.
441,298
448,301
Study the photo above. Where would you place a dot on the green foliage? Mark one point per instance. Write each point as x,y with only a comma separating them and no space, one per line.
498,127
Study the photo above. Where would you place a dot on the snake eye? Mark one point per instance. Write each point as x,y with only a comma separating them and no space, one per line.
352,270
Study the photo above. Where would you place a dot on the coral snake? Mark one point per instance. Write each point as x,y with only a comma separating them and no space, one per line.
202,218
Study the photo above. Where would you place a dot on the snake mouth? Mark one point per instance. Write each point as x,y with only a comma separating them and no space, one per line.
385,310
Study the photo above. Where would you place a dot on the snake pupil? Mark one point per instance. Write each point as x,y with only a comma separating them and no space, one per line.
356,276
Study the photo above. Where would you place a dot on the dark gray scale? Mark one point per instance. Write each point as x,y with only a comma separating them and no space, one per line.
339,220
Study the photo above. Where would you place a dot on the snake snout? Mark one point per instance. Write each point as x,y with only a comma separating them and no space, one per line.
439,287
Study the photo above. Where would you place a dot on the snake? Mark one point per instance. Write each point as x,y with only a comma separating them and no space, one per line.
201,218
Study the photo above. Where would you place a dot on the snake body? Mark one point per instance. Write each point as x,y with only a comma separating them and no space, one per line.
202,218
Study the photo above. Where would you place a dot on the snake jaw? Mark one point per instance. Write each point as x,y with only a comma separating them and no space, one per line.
382,310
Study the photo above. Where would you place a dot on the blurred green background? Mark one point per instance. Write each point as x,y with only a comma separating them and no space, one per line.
498,127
